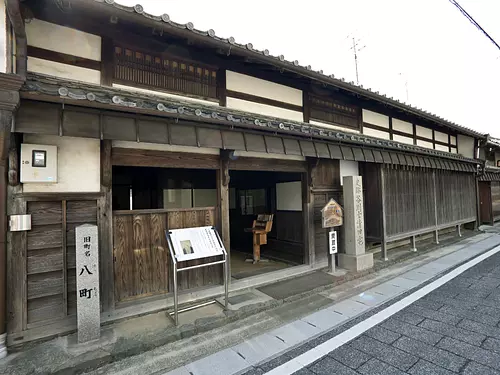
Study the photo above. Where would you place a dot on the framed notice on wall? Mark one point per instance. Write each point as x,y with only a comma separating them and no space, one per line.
195,243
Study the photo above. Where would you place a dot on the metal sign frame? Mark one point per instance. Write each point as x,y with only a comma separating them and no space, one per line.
178,269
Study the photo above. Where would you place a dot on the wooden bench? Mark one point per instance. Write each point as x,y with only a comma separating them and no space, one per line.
260,228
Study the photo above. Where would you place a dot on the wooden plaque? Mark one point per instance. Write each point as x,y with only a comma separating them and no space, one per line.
332,215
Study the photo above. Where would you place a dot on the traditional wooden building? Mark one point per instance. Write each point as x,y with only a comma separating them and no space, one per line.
489,182
158,125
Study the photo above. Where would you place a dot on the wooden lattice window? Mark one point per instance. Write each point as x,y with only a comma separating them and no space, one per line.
164,73
334,112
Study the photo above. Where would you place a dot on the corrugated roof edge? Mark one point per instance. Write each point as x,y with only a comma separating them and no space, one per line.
210,36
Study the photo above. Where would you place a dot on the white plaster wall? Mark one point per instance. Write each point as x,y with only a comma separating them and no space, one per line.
454,150
3,38
62,39
453,140
466,146
402,139
78,165
56,69
442,148
402,126
164,94
265,89
375,118
376,133
160,147
441,137
250,154
348,168
333,127
289,196
204,197
264,109
424,144
424,132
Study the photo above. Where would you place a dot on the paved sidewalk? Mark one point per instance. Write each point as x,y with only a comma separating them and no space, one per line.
252,353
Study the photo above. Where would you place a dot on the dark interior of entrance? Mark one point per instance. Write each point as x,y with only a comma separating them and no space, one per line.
146,190
257,192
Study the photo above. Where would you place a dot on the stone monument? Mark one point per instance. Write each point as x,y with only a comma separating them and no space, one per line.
355,257
87,283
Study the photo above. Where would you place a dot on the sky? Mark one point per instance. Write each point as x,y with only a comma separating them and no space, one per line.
424,52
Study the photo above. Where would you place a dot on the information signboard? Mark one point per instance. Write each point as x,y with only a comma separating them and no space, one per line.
195,243
332,215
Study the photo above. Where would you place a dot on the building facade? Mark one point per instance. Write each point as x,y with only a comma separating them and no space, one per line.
157,125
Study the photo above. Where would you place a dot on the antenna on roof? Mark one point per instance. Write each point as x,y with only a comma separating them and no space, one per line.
356,48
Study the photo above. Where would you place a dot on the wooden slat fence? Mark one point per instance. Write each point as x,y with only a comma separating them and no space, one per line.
141,255
51,273
418,199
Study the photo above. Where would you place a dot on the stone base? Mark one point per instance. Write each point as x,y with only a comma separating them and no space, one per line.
356,262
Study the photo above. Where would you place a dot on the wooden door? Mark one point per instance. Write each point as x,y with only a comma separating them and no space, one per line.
485,202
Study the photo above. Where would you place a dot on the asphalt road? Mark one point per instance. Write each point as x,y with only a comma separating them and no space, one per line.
454,329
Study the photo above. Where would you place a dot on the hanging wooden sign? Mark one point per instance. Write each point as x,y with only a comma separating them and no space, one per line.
332,214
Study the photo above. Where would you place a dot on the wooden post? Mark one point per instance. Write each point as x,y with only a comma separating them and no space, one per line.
413,244
223,188
105,223
436,232
383,213
308,217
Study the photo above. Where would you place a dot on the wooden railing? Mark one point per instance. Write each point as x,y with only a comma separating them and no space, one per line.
141,255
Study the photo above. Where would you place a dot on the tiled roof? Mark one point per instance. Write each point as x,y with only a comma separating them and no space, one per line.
187,110
210,37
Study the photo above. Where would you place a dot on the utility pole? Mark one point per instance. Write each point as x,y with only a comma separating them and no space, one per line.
356,48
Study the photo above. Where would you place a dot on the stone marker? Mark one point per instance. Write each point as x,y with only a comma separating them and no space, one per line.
355,257
87,283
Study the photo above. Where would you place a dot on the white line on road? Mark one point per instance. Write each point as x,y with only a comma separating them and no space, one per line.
321,350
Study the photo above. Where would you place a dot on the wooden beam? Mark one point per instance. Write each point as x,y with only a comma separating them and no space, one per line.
63,58
107,61
262,100
223,189
222,87
308,210
16,19
105,224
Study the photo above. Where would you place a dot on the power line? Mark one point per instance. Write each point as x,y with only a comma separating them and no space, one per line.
469,17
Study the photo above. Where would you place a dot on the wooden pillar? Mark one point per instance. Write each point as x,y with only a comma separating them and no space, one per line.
105,223
16,248
436,231
308,217
223,189
9,100
383,214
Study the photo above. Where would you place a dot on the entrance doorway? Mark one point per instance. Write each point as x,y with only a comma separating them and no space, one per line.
252,193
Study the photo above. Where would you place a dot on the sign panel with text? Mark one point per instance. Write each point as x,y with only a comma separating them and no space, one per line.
195,243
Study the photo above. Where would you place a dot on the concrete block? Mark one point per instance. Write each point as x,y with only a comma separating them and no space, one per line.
295,333
349,308
260,348
225,362
325,319
356,262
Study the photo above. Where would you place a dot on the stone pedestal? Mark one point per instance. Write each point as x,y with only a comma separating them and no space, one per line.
354,257
356,262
